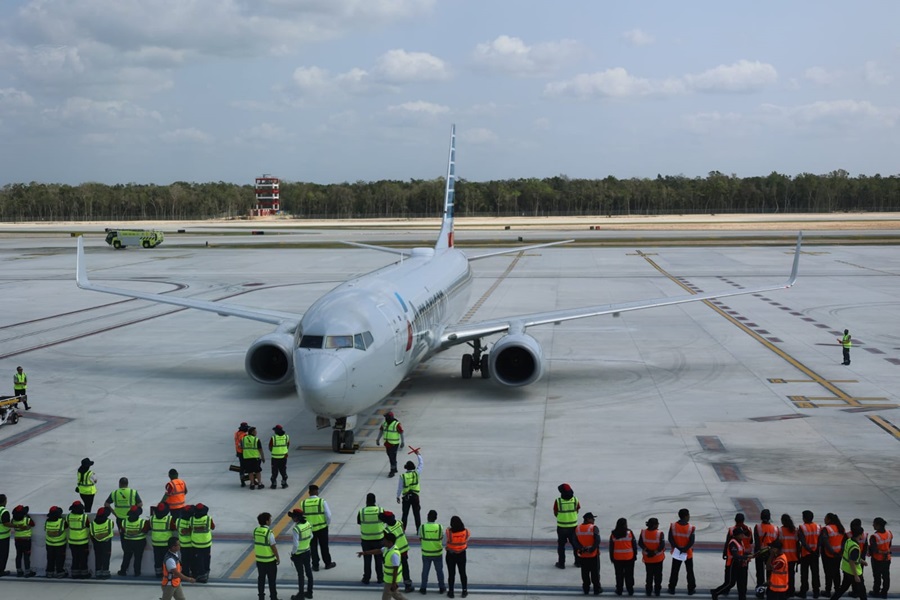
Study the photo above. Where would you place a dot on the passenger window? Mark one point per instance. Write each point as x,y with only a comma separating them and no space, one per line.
339,341
311,341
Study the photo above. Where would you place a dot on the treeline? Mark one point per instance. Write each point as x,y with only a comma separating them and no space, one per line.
552,196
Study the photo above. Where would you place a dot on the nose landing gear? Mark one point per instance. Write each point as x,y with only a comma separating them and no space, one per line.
475,361
342,437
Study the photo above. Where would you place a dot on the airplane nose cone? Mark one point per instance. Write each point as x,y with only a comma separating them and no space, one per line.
322,381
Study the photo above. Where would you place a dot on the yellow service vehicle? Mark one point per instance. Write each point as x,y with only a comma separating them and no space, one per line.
146,238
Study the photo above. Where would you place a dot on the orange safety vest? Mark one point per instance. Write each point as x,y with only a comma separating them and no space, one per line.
734,550
882,549
175,581
175,490
810,533
652,541
789,544
746,542
835,541
681,536
238,437
766,533
457,541
623,548
778,580
585,534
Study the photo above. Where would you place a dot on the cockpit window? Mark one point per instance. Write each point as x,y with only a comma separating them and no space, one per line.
368,339
358,342
339,341
311,341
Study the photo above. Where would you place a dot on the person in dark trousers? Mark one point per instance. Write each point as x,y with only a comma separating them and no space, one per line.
566,508
120,501
202,526
55,540
239,451
652,543
371,530
791,548
134,531
87,484
456,540
852,562
831,541
880,551
778,585
808,538
279,445
5,535
20,388
588,537
764,533
741,572
392,431
392,566
846,343
254,457
23,524
267,559
102,528
395,527
319,516
301,536
623,554
681,538
161,531
408,488
735,565
79,534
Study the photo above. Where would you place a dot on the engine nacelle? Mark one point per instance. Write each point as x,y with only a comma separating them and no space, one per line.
270,359
516,359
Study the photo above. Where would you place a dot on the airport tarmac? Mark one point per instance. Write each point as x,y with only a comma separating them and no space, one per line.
716,407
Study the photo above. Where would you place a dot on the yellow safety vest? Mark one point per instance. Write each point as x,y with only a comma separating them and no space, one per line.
19,380
249,444
391,435
78,529
314,509
201,533
261,546
123,499
21,528
5,530
567,512
371,527
849,546
411,482
304,531
430,535
102,532
402,544
55,532
845,341
390,568
134,530
184,538
86,485
160,530
280,445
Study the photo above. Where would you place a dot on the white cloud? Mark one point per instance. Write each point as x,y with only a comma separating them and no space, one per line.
822,76
400,66
13,100
478,135
637,37
420,107
512,55
542,124
190,135
103,114
875,75
837,112
742,76
611,83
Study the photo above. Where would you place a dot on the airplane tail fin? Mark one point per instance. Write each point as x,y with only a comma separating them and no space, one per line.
445,239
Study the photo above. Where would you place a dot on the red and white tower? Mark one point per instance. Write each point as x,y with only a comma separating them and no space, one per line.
267,197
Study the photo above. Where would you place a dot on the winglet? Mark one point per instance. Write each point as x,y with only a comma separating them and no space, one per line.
793,278
81,278
445,238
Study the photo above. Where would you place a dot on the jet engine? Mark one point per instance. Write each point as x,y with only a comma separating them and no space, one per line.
516,360
270,359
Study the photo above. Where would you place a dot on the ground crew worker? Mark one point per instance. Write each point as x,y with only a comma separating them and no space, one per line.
134,531
267,559
279,445
120,502
301,536
456,540
371,530
652,543
20,390
102,535
408,488
22,525
55,540
778,577
431,536
392,431
160,532
791,548
764,534
736,556
172,575
239,450
851,565
319,516
681,538
392,566
623,554
185,541
588,537
79,524
831,541
176,490
747,541
5,534
566,509
253,459
808,538
202,527
846,343
87,484
392,525
880,551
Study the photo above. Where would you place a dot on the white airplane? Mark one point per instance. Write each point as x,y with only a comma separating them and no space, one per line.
356,343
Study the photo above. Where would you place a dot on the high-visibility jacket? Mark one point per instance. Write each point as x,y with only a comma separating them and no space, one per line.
371,527
134,530
304,534
5,530
160,530
238,438
746,541
402,544
280,445
392,574
86,484
175,491
587,539
789,544
78,529
778,580
765,533
623,547
810,533
410,482
835,539
845,341
171,578
122,501
457,541
391,435
261,546
430,536
849,546
566,512
20,381
314,509
734,550
201,531
55,532
882,547
653,541
102,532
22,527
182,525
250,443
681,536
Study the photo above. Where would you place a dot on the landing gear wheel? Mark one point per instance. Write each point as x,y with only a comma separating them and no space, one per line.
485,369
467,366
348,440
336,439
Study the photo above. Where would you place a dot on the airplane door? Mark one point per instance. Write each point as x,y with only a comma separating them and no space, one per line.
397,323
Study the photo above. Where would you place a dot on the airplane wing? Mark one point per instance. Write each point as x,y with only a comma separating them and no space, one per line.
287,320
518,249
379,248
459,334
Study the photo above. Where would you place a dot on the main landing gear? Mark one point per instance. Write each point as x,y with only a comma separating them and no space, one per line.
342,438
475,361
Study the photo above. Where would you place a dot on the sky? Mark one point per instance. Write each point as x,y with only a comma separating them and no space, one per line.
326,91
